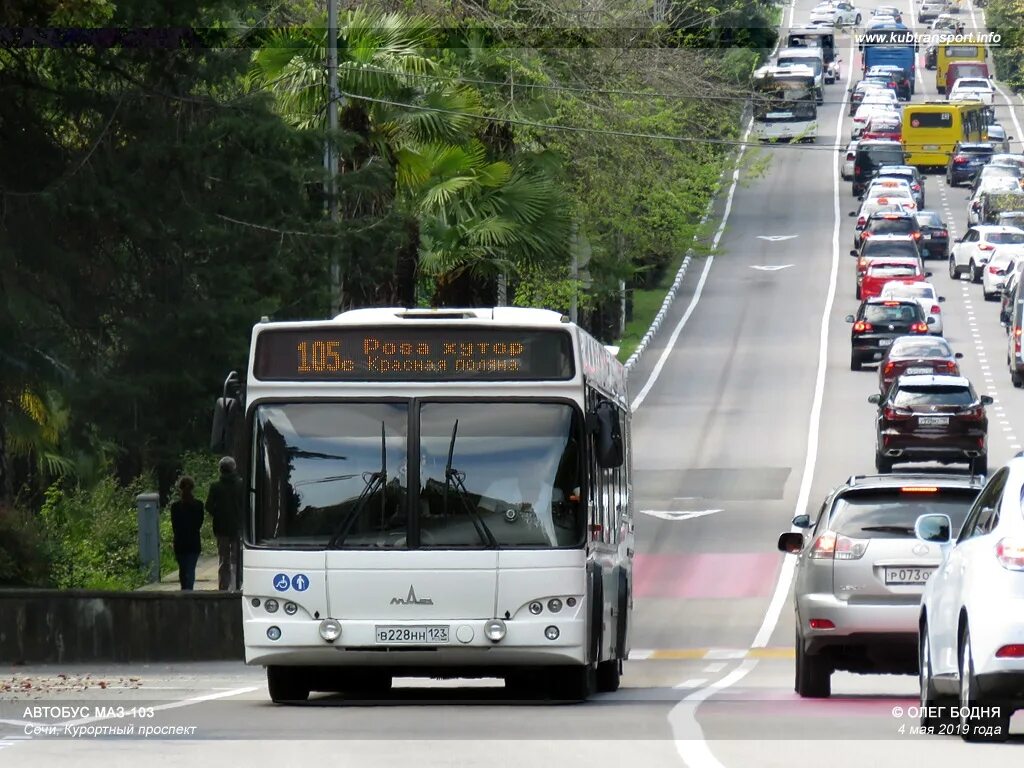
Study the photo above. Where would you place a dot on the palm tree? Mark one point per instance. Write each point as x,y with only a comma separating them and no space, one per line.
470,212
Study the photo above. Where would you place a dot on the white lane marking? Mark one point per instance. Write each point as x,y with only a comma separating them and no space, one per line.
666,514
170,705
776,238
697,682
770,267
637,654
658,366
781,594
689,736
725,653
718,666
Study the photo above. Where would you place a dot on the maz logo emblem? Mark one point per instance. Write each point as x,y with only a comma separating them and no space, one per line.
411,599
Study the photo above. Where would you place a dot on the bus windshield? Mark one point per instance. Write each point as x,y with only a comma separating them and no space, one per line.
335,475
779,101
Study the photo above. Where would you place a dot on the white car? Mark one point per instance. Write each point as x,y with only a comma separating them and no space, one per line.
837,14
930,9
997,272
971,638
867,109
972,252
972,89
882,193
851,155
924,294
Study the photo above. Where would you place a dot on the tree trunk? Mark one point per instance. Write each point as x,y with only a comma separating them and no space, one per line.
407,263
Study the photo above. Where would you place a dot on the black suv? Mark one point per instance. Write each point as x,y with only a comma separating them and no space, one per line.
934,242
877,323
872,155
927,417
966,160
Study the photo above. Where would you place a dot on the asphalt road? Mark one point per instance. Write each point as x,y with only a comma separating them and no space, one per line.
753,415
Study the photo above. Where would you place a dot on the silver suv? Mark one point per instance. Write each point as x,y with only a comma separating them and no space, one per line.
861,572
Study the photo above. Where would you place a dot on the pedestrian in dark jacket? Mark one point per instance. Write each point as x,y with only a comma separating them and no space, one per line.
224,502
187,522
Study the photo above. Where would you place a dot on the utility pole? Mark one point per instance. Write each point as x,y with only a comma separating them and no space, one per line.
330,155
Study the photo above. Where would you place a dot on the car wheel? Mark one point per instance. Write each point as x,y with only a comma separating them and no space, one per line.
981,465
936,710
857,20
883,464
975,272
991,727
1015,378
813,674
855,364
990,296
954,270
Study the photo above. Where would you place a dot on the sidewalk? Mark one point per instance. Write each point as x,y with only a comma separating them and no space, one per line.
206,577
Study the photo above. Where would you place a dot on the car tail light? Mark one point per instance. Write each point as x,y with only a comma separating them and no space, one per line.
865,235
973,414
861,327
942,233
919,489
888,369
861,221
916,187
959,160
952,367
919,327
822,624
985,246
1015,651
916,235
994,270
856,170
1016,339
896,414
1010,554
832,546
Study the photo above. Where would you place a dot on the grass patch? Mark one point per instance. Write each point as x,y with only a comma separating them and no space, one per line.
646,303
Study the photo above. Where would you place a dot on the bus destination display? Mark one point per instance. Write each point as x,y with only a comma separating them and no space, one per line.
414,354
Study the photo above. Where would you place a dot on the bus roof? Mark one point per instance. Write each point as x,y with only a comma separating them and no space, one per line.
512,316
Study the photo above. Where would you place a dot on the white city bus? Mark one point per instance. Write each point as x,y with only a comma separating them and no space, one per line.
784,105
440,493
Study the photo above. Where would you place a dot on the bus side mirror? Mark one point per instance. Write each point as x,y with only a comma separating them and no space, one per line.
227,416
605,426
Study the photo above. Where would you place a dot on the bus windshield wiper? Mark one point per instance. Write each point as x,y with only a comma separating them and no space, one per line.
454,478
377,481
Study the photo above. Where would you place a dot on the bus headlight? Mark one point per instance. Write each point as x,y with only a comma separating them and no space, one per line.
495,630
271,605
554,605
330,630
551,633
274,633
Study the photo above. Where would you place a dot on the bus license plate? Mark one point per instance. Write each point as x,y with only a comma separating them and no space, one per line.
413,635
896,576
931,147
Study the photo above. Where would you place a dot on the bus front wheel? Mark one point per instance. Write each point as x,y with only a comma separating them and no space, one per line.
574,683
287,684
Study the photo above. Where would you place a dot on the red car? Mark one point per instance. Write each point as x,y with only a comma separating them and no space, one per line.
883,270
883,127
915,355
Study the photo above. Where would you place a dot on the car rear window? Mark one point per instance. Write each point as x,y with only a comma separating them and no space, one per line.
916,395
880,313
976,151
929,219
892,226
1005,238
931,119
920,348
876,156
891,270
912,290
891,513
875,248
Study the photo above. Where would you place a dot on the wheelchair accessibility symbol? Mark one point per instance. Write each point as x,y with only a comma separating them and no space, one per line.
281,582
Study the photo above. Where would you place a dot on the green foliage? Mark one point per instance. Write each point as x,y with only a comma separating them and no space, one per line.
24,556
1006,17
92,534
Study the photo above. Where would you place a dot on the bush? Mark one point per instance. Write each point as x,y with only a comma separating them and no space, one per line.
24,560
93,535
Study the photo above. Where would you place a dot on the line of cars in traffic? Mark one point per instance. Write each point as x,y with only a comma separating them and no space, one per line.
919,572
